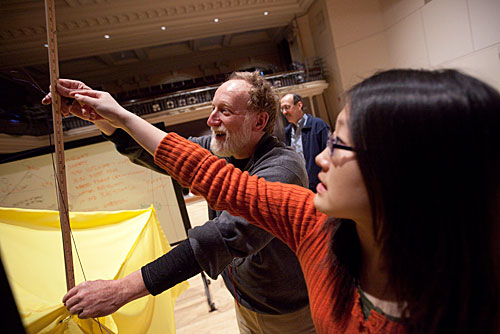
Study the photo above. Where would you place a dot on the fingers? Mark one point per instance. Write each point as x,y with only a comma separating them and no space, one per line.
83,111
66,104
73,305
80,110
71,84
74,302
89,312
87,92
88,114
64,88
91,299
86,99
47,99
69,294
89,103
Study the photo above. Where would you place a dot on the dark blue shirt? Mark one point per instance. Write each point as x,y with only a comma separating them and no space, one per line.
314,138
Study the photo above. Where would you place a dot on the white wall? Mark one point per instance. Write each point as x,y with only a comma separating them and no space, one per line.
318,41
360,42
477,51
373,35
356,38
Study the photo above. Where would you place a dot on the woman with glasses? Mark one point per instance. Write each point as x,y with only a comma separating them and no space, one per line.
411,175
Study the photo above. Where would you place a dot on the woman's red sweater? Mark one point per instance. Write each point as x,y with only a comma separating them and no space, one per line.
287,211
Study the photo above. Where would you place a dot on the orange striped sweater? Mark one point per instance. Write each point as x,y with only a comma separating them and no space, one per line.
285,210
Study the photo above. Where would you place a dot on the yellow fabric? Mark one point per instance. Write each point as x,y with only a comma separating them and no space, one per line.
111,245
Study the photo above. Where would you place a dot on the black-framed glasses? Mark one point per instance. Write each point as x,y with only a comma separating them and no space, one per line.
332,144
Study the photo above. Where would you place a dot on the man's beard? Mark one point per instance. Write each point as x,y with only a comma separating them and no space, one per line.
235,141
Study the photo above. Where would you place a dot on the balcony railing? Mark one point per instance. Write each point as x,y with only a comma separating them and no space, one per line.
38,121
181,101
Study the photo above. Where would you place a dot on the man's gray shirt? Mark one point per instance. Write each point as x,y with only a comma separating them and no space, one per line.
258,269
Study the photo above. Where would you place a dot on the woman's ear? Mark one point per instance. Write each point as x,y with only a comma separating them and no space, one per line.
261,121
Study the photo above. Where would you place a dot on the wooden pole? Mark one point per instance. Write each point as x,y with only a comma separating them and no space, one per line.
62,192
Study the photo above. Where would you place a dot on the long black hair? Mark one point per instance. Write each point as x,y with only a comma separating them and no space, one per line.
428,147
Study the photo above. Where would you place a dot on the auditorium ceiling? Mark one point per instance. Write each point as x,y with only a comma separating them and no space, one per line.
115,37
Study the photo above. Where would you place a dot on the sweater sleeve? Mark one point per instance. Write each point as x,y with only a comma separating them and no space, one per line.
286,211
170,269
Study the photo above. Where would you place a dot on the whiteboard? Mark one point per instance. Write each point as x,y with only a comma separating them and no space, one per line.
98,179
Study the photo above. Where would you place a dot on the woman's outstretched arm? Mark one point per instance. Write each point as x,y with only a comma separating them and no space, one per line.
146,134
286,211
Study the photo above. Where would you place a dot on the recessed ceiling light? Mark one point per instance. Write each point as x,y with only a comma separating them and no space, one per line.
163,28
266,13
107,36
216,20
46,45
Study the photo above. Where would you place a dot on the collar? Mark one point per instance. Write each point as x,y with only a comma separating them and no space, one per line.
265,144
301,123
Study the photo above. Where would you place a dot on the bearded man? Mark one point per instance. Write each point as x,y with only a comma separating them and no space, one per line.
260,271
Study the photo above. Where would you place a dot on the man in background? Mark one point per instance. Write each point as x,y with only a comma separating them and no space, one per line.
260,271
306,134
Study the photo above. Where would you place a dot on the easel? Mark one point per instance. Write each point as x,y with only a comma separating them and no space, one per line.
206,282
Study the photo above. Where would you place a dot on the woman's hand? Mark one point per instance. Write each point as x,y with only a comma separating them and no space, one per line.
103,106
103,110
69,106
65,87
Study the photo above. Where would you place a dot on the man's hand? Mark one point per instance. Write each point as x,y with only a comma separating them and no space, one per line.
94,299
99,298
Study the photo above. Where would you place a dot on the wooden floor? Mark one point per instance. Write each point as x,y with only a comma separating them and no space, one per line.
191,309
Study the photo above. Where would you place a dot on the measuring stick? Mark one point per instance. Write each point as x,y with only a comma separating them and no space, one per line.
62,192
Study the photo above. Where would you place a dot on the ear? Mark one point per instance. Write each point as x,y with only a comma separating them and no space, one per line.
299,104
261,120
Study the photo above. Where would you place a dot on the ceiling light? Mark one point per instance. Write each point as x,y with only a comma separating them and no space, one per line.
163,28
266,13
216,20
46,45
107,36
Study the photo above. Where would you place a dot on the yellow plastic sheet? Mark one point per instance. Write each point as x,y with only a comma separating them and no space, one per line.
111,245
